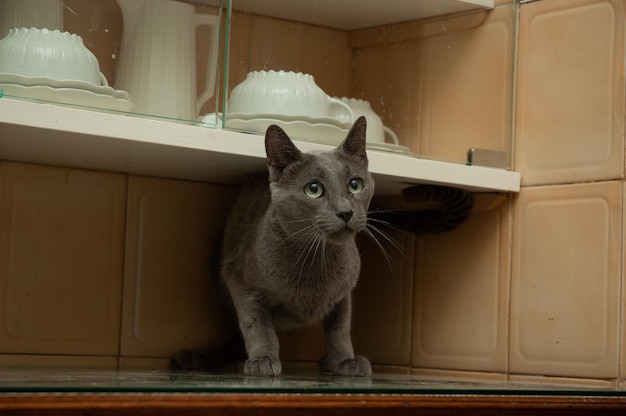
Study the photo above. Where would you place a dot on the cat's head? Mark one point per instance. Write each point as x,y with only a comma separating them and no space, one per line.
320,192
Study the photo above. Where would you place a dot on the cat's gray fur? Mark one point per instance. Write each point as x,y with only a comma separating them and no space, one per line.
290,259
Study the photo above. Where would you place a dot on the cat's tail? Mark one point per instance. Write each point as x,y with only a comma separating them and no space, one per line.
428,209
208,360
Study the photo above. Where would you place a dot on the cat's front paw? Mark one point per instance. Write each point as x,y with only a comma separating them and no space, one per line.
265,366
358,366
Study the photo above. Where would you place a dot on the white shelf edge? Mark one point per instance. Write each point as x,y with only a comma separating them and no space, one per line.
483,3
73,137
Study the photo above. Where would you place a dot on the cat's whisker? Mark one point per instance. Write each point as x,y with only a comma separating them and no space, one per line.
318,242
323,240
390,262
388,257
304,242
388,238
387,223
303,254
295,221
301,233
311,246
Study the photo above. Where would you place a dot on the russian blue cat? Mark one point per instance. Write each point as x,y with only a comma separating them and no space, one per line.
289,256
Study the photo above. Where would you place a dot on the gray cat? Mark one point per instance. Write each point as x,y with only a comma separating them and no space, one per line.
289,256
289,253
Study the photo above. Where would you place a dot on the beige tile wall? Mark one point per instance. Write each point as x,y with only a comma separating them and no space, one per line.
570,118
462,296
564,302
622,339
322,52
173,234
466,75
61,260
567,247
94,266
420,75
383,300
565,294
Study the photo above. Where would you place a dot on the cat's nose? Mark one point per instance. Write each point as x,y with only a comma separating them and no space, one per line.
345,215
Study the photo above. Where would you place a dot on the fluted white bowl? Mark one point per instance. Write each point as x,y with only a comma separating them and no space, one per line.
33,52
284,93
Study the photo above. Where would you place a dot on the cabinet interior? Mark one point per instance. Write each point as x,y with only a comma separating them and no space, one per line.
110,222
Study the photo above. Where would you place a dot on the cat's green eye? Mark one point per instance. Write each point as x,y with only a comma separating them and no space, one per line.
355,185
314,189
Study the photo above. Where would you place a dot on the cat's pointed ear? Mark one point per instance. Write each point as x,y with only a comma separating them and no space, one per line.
280,150
354,143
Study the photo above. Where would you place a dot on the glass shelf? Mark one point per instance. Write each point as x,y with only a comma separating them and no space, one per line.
84,380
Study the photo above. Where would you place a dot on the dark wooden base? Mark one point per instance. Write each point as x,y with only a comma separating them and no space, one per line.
305,404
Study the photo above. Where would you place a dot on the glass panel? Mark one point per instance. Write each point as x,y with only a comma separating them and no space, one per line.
152,58
49,380
434,79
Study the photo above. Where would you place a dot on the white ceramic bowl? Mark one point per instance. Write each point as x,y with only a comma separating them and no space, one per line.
32,52
285,93
376,130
